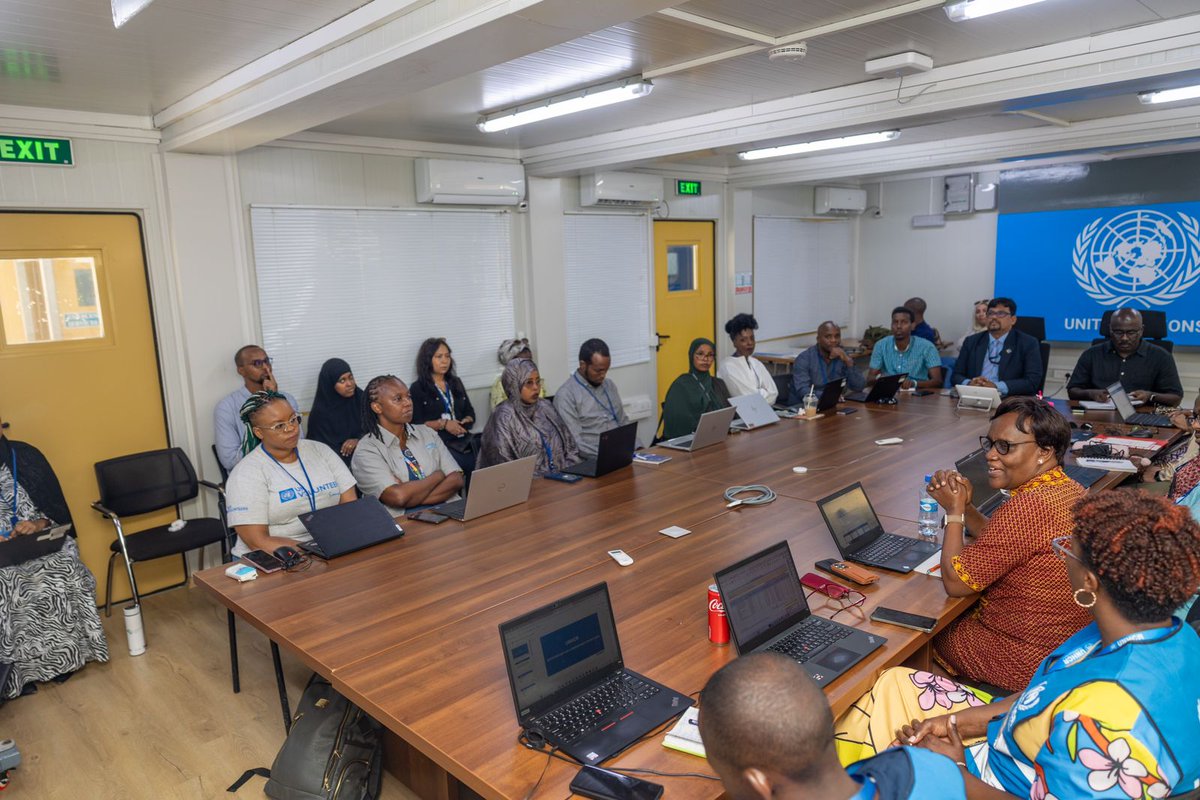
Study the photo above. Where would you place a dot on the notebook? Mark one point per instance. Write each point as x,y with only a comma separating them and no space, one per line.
860,537
712,428
345,528
492,489
884,390
614,450
569,682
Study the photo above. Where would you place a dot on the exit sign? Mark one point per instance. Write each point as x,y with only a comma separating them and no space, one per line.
687,187
17,149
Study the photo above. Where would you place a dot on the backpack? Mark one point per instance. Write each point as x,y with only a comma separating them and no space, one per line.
333,751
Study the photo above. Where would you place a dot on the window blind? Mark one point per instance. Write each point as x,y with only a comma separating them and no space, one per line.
801,274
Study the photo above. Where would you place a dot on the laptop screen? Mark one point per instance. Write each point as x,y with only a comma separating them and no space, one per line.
558,646
763,596
850,518
1121,400
975,469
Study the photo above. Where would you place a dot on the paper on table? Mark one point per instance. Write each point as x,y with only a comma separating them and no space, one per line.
1092,405
931,566
685,736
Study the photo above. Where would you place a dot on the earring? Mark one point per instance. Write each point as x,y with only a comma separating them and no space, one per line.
1082,604
1041,461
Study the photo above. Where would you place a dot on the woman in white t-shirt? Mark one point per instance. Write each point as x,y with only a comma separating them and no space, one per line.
280,479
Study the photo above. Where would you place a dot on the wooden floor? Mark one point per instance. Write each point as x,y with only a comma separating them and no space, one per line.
163,725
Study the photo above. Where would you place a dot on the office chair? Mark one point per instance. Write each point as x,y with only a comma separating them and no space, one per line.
1034,326
220,467
1045,348
1154,329
783,388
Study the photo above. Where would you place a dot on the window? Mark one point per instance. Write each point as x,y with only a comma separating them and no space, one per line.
681,268
49,300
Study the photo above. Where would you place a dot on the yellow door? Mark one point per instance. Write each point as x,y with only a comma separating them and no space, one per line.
79,364
683,294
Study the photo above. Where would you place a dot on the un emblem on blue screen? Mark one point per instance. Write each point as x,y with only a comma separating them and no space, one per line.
1143,257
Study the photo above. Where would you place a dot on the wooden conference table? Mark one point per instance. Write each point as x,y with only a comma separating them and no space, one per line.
408,629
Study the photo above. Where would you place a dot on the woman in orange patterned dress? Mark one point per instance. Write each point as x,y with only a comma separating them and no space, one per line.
1025,609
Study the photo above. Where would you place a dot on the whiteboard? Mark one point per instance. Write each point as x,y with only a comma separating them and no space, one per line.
802,273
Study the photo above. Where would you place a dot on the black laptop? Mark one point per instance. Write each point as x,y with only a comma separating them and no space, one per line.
569,681
614,451
859,536
831,395
28,546
764,601
884,390
975,469
344,528
1129,416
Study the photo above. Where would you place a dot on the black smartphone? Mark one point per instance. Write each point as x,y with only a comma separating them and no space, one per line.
602,784
922,392
842,412
904,619
432,517
565,477
262,561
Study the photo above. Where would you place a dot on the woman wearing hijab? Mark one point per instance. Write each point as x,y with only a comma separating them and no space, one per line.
694,392
525,425
336,416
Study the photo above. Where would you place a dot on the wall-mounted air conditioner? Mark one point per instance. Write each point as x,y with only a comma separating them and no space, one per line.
834,201
620,189
475,183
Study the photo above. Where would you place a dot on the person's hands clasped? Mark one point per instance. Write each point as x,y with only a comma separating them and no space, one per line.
981,381
950,745
25,527
916,731
454,428
951,490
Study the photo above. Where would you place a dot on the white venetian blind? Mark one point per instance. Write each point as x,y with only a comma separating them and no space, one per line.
606,259
369,285
801,274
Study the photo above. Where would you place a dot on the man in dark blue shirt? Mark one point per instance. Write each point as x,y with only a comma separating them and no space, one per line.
922,328
825,361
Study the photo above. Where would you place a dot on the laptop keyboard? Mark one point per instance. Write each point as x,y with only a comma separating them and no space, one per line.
1144,418
811,638
885,548
454,509
585,713
681,441
1084,476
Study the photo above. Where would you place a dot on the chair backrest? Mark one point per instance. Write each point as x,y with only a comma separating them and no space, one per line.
220,466
1154,324
783,386
145,482
1034,326
1045,348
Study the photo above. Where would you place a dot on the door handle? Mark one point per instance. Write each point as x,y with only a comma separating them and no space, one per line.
658,345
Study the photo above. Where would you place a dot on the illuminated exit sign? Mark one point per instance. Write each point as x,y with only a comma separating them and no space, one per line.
16,149
687,187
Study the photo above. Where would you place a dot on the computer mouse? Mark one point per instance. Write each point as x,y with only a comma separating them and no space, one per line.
1141,433
288,555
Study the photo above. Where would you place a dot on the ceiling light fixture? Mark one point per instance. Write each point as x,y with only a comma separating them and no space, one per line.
963,10
821,144
580,100
1170,95
123,10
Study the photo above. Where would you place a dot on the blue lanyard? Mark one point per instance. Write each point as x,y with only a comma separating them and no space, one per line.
415,473
607,405
549,452
312,499
1083,651
447,398
16,486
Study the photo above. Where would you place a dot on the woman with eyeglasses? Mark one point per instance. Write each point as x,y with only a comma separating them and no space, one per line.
1025,608
506,352
440,402
282,477
1111,712
694,392
526,425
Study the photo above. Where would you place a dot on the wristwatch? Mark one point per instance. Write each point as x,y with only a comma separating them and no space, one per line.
961,519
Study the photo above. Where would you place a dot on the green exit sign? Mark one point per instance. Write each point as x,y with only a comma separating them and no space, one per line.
17,149
687,187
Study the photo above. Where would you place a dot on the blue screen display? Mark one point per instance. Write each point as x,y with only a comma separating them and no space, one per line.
572,643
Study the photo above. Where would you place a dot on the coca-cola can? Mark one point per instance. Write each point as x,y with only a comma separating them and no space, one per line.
718,623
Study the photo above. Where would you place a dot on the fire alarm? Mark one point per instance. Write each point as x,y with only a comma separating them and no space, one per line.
788,52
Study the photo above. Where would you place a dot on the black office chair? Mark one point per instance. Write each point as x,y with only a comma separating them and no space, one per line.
1045,348
1034,326
783,385
1154,329
220,467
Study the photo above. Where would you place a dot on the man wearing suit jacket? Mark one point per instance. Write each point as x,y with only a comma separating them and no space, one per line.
1001,357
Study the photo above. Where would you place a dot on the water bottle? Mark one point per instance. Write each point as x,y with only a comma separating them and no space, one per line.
928,518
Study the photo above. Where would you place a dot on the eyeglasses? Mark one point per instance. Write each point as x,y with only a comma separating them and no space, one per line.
259,363
705,356
287,426
1002,446
847,601
998,313
1061,545
1125,333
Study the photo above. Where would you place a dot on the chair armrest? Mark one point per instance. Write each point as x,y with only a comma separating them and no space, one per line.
216,487
104,512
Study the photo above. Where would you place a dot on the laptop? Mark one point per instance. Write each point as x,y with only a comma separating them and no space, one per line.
753,412
764,602
341,529
982,397
831,395
615,450
975,469
859,536
569,682
492,489
884,390
1128,415
26,547
711,429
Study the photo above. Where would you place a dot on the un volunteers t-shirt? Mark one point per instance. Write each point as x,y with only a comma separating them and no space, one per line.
262,492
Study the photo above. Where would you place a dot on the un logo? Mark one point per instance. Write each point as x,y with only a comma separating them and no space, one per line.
1142,256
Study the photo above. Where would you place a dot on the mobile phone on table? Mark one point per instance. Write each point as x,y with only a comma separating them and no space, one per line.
603,784
262,561
847,411
904,619
565,477
922,393
432,517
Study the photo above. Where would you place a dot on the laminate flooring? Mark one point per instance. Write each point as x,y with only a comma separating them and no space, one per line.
160,726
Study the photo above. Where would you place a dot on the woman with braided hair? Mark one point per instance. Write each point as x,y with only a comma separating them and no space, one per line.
281,477
1112,713
405,465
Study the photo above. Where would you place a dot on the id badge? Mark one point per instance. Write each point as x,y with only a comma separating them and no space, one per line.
445,416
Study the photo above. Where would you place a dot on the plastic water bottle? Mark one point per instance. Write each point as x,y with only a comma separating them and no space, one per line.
928,518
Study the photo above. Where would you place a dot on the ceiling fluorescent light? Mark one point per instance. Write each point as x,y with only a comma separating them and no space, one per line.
971,9
1170,95
822,144
123,10
580,100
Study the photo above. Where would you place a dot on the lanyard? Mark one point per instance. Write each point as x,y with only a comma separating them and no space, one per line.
607,406
549,452
16,486
415,473
709,398
1083,651
447,399
312,500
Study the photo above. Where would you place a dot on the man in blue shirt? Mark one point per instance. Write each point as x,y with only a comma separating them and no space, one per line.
825,361
921,328
903,352
768,733
1000,357
254,365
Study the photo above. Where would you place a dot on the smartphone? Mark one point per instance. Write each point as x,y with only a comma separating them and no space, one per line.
843,412
432,517
602,784
904,619
565,477
262,561
922,392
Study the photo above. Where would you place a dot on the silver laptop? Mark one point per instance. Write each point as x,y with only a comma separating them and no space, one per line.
1124,407
492,489
712,428
753,412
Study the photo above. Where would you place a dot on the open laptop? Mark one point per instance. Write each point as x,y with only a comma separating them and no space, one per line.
831,395
712,428
341,529
615,450
984,398
25,547
764,601
1128,415
975,469
884,390
859,536
492,489
569,682
753,412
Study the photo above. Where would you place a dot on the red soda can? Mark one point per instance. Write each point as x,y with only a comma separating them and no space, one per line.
718,623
